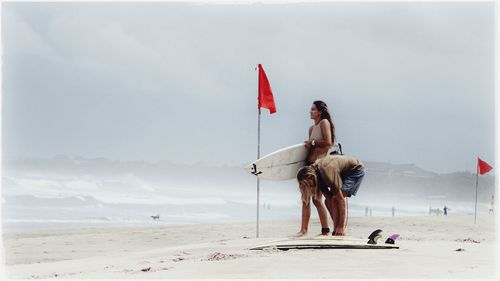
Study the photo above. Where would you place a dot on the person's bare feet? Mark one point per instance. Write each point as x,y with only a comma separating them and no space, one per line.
299,234
339,232
322,235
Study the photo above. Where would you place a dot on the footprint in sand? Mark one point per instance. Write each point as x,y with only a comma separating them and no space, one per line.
470,240
158,269
221,256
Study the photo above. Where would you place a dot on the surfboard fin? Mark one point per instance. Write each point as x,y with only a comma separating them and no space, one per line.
374,237
392,239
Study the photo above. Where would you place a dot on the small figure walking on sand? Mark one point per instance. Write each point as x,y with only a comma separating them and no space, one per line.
393,210
445,209
492,205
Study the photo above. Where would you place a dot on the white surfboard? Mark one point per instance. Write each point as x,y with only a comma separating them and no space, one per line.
282,164
328,243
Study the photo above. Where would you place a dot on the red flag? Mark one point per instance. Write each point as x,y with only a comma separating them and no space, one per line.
483,167
266,99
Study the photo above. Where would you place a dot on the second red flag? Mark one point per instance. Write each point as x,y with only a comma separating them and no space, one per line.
483,167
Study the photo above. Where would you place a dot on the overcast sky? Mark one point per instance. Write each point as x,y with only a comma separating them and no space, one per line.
405,82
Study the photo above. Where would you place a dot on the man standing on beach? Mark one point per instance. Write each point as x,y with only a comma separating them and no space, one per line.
337,177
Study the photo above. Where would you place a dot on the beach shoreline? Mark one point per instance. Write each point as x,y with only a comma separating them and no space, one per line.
430,247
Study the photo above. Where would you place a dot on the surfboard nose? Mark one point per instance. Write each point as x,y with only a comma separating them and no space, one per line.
249,168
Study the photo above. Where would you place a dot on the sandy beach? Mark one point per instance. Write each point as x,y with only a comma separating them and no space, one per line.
429,248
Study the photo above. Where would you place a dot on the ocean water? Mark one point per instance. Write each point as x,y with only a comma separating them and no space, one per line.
126,200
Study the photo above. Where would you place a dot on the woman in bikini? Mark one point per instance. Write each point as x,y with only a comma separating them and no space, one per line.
321,139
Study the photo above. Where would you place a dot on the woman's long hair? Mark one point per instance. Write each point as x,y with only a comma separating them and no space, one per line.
325,114
306,176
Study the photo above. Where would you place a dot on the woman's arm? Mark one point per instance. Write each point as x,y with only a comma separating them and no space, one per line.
307,143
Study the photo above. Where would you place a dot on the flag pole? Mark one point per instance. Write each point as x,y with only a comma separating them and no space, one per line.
258,181
266,100
477,181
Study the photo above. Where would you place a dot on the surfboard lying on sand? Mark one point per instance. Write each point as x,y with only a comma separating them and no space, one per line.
332,242
282,164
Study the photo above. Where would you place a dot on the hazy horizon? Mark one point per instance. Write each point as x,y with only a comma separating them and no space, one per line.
59,192
405,82
201,163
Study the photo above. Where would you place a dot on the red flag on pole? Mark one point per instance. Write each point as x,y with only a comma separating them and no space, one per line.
266,99
483,167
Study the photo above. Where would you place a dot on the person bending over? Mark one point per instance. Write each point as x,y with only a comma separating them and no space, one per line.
336,177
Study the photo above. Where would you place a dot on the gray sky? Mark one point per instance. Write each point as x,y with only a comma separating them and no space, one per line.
405,82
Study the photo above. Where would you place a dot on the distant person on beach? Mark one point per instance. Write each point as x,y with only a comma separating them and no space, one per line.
445,209
336,177
492,204
321,139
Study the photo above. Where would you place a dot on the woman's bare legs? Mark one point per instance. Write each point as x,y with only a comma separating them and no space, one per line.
323,215
306,215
